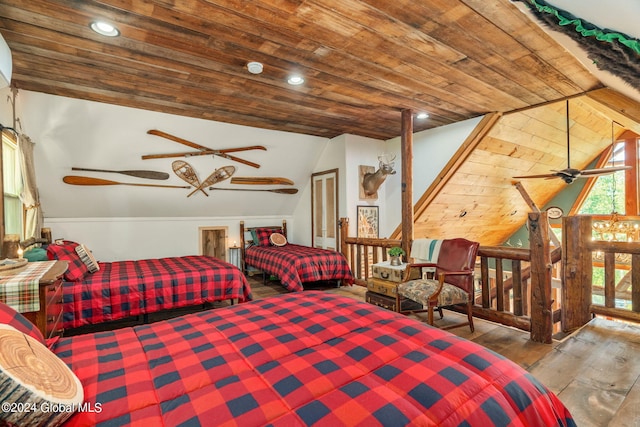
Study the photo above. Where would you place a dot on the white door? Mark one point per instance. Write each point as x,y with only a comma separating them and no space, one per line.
324,209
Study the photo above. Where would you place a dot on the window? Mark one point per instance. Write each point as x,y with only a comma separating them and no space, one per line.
12,187
607,195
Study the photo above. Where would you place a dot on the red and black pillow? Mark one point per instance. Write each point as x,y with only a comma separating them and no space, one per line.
66,251
262,234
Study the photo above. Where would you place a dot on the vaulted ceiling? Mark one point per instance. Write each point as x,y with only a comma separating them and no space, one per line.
477,196
363,61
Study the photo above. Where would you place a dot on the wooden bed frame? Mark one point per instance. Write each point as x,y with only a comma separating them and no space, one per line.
244,242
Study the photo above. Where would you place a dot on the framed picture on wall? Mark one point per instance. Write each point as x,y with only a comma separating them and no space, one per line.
368,221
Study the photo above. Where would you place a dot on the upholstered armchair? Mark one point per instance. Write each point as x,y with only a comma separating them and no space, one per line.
452,283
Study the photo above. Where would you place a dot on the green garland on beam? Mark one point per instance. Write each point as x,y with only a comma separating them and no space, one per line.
599,34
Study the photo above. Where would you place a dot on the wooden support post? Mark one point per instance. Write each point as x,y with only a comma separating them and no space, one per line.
541,312
578,272
631,195
344,232
535,208
406,143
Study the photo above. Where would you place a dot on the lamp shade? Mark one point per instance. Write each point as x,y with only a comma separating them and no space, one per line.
6,65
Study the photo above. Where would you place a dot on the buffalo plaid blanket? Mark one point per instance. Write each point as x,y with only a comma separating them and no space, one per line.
305,358
296,264
21,290
129,288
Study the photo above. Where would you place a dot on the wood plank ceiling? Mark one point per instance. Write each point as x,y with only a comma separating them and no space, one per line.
363,61
475,195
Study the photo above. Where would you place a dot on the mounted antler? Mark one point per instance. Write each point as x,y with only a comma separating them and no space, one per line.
372,181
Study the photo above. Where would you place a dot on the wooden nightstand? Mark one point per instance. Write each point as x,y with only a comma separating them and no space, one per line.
49,318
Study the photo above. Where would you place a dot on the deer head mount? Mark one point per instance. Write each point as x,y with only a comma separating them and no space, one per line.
372,181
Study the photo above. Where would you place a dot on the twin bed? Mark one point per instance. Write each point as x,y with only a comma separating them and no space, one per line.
294,265
122,289
302,358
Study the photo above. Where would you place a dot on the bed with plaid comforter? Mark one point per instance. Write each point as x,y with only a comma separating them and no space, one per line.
296,264
121,289
305,358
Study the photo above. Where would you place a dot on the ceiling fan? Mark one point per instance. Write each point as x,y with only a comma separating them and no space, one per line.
570,174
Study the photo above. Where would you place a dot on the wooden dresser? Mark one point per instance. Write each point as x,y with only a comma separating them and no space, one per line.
49,318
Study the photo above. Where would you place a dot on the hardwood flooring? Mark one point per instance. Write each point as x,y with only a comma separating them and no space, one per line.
595,371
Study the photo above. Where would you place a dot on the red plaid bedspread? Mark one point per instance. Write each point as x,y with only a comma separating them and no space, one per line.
129,288
300,359
296,264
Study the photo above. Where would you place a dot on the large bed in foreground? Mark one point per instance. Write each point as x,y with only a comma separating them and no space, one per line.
121,289
303,358
294,265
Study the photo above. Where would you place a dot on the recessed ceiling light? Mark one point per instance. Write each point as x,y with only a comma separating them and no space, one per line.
295,80
422,115
104,29
254,67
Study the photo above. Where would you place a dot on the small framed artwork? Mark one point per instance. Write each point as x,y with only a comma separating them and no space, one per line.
368,221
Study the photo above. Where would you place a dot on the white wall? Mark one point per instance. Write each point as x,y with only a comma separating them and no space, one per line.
360,151
70,132
152,237
130,222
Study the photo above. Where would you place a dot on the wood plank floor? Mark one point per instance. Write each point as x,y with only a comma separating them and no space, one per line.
594,371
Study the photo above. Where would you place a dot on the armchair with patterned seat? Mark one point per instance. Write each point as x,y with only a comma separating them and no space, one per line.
452,283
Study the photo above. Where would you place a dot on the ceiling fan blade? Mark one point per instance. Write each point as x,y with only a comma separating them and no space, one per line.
545,175
603,171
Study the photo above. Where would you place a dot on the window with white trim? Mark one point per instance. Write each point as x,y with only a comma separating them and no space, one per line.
12,186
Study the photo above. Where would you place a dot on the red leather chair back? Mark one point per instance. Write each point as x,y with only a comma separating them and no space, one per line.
457,255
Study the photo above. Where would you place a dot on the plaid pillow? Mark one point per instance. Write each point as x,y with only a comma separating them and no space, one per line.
11,317
67,252
262,236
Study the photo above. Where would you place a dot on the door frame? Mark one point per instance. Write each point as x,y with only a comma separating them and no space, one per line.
337,195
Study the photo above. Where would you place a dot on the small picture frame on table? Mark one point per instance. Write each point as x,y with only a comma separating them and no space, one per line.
368,221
